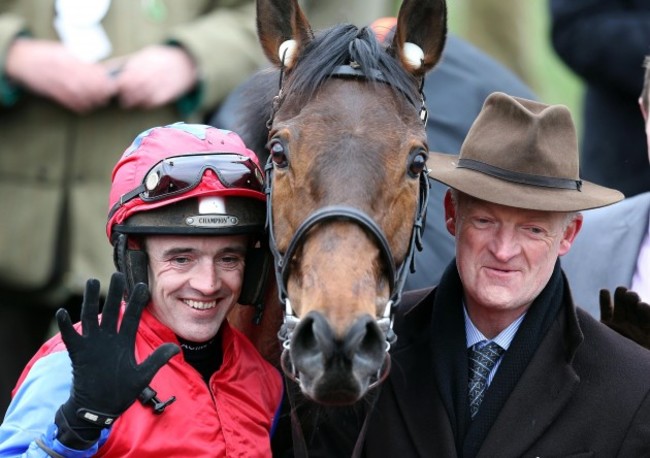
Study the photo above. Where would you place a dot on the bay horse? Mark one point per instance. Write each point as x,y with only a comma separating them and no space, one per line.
343,128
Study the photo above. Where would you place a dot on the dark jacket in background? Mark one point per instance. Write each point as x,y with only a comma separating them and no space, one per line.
605,42
606,251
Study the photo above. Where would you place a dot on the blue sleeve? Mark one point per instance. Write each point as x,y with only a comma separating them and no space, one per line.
30,416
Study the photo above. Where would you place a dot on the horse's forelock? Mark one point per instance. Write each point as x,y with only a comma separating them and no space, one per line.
340,45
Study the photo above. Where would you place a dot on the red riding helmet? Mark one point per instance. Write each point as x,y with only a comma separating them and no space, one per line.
189,179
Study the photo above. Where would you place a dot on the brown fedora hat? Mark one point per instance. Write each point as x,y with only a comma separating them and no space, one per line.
523,154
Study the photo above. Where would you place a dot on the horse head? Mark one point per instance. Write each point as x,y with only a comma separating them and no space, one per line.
347,186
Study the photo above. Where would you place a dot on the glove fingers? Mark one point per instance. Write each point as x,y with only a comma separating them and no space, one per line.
68,332
157,359
90,306
626,301
639,312
111,310
137,301
606,306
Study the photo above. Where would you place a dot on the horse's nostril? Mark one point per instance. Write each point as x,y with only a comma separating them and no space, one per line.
373,341
304,335
313,336
364,340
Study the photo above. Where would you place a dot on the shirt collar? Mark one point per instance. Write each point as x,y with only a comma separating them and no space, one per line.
504,339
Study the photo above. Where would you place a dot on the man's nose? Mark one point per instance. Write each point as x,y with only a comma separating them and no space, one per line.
207,278
505,244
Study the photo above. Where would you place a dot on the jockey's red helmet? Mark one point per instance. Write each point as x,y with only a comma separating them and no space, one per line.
186,179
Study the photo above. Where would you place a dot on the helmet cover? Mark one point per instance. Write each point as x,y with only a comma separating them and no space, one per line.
215,207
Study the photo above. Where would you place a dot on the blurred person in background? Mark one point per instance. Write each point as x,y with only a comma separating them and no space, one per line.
613,249
604,42
78,80
501,28
324,14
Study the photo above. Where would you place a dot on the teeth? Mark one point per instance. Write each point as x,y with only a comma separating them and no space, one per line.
200,305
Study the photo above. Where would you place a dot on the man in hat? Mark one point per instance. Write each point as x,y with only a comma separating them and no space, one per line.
497,360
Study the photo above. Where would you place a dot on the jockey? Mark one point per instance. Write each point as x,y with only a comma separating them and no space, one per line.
186,220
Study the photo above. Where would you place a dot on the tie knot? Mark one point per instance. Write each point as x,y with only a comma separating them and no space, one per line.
487,355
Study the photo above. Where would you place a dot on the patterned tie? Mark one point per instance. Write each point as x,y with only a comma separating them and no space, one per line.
481,362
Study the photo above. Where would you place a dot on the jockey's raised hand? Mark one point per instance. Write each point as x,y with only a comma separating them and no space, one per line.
106,377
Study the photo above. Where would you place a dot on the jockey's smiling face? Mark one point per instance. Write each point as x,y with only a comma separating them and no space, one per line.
195,281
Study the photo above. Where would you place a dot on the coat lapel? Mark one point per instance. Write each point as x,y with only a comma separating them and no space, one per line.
417,398
419,402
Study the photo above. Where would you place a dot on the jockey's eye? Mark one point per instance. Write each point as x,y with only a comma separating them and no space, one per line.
278,153
417,162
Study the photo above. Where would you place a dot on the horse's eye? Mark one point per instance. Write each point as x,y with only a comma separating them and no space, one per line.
417,162
278,154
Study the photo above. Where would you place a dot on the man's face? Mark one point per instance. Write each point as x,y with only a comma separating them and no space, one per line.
505,255
195,281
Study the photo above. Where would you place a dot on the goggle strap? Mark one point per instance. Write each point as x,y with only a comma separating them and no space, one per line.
125,198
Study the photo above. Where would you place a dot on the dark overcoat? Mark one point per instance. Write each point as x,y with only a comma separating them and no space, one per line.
578,389
585,392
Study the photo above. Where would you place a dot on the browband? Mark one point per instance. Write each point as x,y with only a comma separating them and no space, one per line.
353,70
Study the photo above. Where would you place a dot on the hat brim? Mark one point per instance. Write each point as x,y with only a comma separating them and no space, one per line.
443,168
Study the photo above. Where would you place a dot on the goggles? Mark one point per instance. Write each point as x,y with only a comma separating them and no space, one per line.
179,174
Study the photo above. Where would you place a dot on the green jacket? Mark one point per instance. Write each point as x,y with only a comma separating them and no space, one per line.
325,13
55,166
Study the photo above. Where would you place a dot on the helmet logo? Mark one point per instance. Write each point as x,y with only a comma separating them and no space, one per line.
213,214
212,221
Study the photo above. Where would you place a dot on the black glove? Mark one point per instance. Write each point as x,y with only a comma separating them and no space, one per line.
106,378
626,315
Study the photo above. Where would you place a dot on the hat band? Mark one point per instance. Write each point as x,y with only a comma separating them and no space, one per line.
521,178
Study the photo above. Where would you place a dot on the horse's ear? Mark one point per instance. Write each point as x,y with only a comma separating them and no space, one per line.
420,35
283,30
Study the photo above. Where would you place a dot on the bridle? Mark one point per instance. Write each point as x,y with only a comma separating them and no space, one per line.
396,274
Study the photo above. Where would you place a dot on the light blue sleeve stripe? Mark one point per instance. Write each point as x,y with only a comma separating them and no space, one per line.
31,412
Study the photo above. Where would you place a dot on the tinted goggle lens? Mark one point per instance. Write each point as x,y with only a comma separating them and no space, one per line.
176,175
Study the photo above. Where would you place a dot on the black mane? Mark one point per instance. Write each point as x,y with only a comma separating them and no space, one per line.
341,45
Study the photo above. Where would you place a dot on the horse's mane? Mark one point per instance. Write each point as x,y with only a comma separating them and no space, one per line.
338,45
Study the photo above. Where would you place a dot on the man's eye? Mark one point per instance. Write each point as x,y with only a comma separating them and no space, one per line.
481,222
181,260
231,261
536,230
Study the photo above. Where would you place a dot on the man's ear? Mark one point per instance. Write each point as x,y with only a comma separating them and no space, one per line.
450,213
570,234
